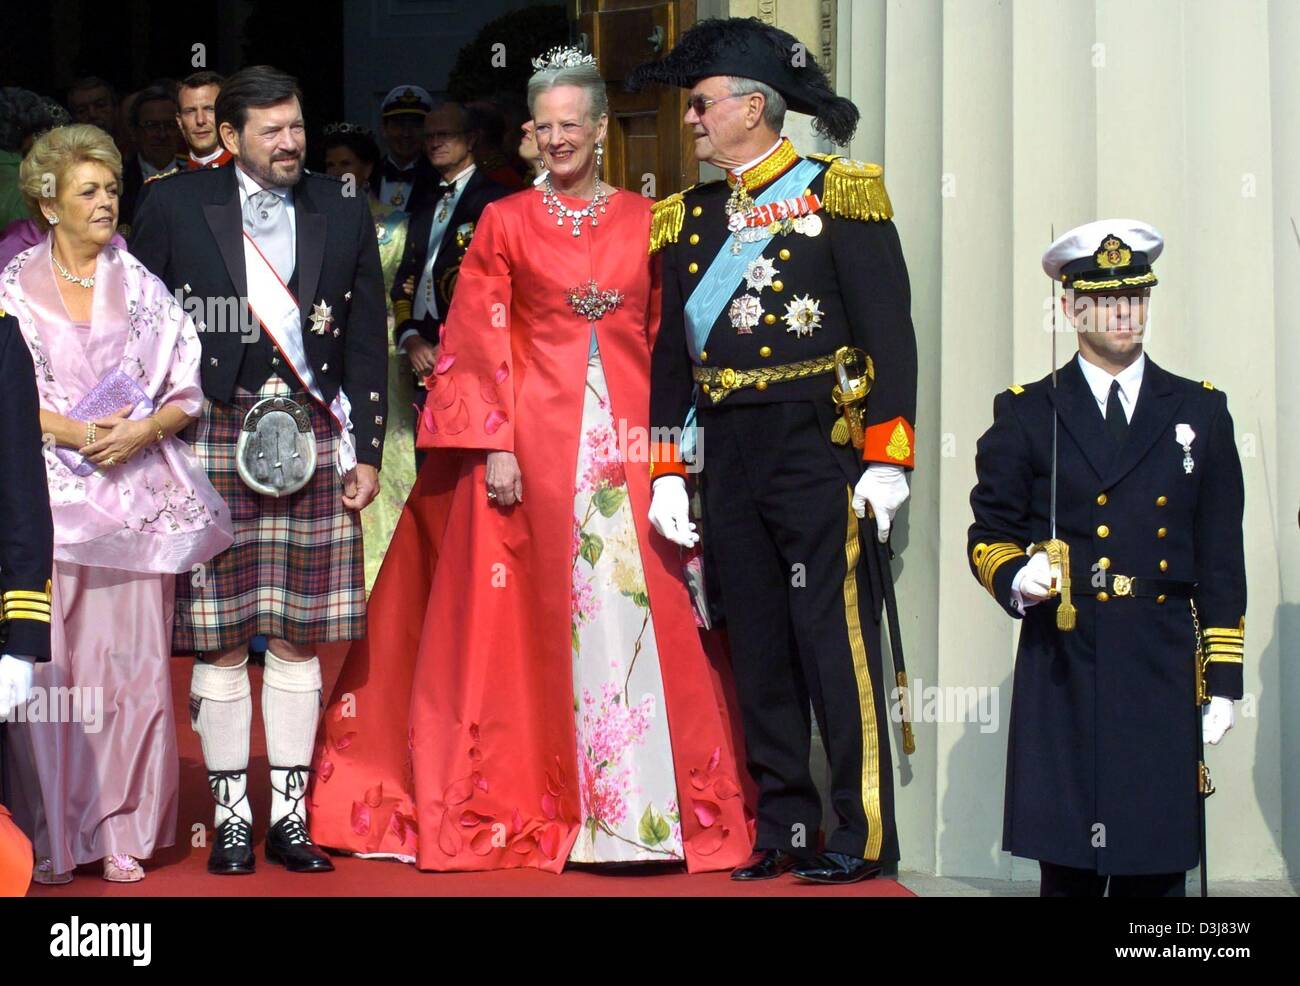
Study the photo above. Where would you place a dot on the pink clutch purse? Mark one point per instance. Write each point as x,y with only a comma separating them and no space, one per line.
114,391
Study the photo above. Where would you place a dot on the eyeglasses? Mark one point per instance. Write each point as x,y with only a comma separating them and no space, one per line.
442,136
701,103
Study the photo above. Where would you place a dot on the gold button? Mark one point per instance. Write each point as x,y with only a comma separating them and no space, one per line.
1164,565
704,387
778,286
1162,532
692,267
1161,598
769,318
765,352
1101,499
1161,501
1103,597
761,385
807,191
695,238
704,355
696,211
1103,531
1103,563
784,254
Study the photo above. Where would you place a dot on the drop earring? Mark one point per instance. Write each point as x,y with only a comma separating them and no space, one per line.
600,157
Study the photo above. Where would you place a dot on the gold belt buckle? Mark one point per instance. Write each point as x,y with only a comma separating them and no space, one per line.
727,378
1123,585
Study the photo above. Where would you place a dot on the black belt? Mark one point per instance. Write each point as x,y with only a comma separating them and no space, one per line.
1118,586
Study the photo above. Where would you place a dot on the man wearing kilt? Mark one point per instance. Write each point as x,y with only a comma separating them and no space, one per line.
280,270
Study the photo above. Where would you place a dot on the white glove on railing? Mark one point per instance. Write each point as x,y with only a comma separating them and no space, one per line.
670,511
1217,719
15,682
885,488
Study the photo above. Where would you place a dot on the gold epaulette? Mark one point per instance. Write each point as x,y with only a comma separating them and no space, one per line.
1207,385
988,558
162,174
854,189
25,604
1016,389
1224,645
666,218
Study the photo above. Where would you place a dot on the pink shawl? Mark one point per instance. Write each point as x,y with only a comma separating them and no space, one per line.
158,512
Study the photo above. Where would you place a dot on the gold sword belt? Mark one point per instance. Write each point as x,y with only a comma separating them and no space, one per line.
718,382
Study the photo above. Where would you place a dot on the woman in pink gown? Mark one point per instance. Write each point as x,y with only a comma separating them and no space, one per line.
561,706
92,757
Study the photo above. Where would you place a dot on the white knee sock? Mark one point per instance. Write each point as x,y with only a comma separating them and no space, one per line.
221,712
291,711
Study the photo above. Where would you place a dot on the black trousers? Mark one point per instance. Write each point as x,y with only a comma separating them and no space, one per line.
796,568
1068,881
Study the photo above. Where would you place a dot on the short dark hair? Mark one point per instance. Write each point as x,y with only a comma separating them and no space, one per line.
361,144
156,93
206,77
87,82
255,86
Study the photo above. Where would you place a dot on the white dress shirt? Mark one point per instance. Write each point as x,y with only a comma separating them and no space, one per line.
397,193
248,185
425,301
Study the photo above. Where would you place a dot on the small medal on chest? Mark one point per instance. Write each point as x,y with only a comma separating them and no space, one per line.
1184,436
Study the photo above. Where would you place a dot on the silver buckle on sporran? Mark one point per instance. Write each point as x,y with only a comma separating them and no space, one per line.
276,452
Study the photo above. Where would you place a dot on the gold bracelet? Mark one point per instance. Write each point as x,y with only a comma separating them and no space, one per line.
156,424
90,433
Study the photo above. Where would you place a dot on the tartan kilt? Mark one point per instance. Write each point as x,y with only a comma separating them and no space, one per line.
296,568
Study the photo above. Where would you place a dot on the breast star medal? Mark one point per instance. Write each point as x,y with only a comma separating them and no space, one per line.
744,313
1184,436
803,315
321,317
760,274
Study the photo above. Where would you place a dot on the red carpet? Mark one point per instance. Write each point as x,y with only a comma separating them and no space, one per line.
180,870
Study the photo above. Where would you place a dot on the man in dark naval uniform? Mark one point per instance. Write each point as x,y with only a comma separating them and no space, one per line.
26,565
289,256
1125,668
784,290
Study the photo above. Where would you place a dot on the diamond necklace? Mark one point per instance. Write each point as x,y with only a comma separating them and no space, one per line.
85,282
553,205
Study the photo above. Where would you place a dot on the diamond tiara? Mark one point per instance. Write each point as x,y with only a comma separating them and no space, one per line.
564,57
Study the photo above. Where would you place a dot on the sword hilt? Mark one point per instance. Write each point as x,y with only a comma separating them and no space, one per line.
1058,558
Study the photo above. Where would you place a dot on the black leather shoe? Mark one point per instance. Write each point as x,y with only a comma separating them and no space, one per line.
288,844
766,864
232,853
836,867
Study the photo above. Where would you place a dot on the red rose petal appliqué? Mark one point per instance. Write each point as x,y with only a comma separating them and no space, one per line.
725,787
715,759
325,771
516,822
550,805
375,796
481,844
470,818
710,840
698,780
550,841
449,837
458,792
480,781
344,741
445,362
474,731
524,846
706,812
493,422
502,373
360,818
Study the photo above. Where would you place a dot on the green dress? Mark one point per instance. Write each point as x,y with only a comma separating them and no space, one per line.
398,473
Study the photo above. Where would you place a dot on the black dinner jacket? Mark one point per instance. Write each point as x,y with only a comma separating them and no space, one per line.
479,191
189,232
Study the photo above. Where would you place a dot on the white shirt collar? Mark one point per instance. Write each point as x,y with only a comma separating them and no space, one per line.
1130,382
248,185
207,158
462,177
749,164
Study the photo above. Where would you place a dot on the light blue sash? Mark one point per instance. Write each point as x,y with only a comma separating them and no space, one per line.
719,282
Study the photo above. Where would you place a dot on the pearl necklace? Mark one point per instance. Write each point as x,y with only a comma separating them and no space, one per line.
85,282
553,205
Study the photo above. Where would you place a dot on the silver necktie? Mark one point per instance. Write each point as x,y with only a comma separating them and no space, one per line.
267,223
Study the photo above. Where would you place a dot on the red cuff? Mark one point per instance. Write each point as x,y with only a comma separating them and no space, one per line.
666,460
892,442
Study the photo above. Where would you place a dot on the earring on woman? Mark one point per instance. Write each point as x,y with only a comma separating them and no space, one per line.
52,220
600,156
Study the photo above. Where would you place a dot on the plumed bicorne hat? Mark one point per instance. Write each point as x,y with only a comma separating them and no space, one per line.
748,48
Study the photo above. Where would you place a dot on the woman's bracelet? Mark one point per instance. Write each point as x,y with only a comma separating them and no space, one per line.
90,433
160,435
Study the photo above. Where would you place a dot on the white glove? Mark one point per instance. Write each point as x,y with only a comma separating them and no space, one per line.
1217,719
885,488
1034,581
15,682
670,511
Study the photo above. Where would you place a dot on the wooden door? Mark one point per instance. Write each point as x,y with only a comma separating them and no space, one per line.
646,150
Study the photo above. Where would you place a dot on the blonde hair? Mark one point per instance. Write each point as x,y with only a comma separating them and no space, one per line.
55,153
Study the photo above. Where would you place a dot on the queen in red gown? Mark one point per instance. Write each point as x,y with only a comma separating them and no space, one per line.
533,689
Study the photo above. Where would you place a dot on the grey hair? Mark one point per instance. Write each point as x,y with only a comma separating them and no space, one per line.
583,76
773,101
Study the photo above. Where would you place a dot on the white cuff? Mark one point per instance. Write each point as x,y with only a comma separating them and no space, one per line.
401,340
